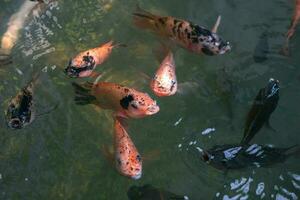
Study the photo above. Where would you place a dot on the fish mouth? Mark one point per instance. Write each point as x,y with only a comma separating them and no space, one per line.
272,87
224,47
137,176
152,110
15,124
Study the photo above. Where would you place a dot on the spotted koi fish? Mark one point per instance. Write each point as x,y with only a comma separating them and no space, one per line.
127,102
127,158
188,35
85,62
10,37
164,82
294,23
21,109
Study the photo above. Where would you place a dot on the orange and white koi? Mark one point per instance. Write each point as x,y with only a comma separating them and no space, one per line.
83,64
126,102
15,24
127,158
164,82
188,35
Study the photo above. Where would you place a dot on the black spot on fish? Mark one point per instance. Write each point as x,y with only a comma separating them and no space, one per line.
138,158
126,101
180,25
207,51
172,86
188,35
119,161
162,21
175,21
195,40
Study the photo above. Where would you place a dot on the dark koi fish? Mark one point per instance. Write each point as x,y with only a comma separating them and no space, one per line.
148,192
230,156
262,48
263,106
21,109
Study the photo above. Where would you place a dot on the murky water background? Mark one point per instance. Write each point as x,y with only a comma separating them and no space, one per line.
60,155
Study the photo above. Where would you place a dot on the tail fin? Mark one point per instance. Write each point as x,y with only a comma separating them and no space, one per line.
144,19
295,149
82,93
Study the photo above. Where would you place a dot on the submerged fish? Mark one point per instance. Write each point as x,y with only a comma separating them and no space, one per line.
164,82
264,104
292,28
127,102
11,35
127,158
186,34
262,48
238,156
85,62
21,110
148,192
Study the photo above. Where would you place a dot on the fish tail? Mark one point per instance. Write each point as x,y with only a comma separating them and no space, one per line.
83,93
292,150
144,19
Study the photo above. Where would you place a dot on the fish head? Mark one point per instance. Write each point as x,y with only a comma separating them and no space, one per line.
139,105
164,85
272,89
214,45
13,119
130,165
82,68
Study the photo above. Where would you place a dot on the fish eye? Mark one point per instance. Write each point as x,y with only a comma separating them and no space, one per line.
138,158
134,105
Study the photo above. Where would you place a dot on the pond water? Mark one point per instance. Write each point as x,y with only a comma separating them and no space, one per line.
60,155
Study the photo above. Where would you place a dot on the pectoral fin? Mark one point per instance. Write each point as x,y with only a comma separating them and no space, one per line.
47,111
108,153
267,125
216,26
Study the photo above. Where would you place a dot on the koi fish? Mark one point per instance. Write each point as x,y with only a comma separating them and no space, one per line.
148,192
186,34
85,62
231,156
164,82
262,48
127,102
127,158
21,109
292,28
263,106
15,24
